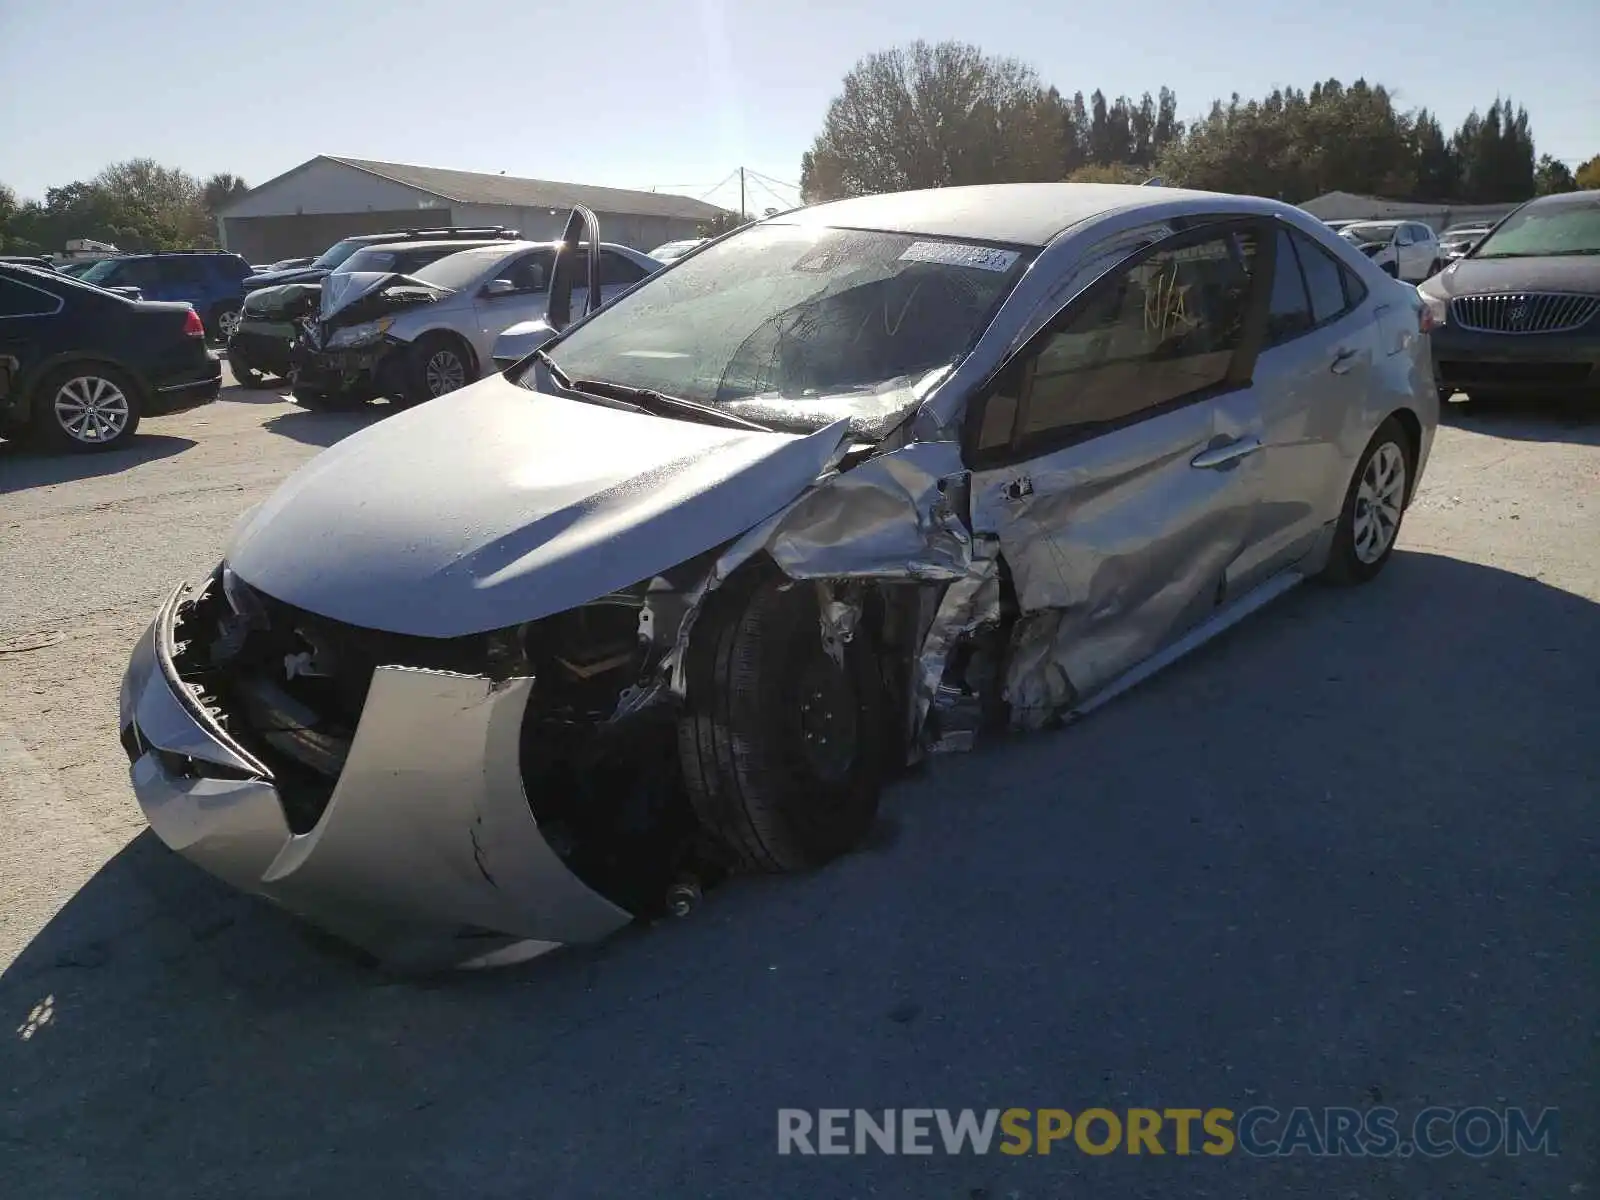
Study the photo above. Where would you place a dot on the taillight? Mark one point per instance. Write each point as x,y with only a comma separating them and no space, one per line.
193,326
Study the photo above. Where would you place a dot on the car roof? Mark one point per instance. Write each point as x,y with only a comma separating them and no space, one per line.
1022,214
461,244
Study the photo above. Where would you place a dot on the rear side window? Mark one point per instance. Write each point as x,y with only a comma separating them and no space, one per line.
181,270
1289,314
616,269
20,300
1325,281
1158,332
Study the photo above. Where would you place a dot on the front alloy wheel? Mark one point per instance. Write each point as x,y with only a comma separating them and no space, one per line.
444,372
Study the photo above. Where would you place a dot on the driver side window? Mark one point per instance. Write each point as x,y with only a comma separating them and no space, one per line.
531,272
1160,332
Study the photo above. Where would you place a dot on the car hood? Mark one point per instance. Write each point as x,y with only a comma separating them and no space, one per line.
1560,273
293,275
496,504
343,291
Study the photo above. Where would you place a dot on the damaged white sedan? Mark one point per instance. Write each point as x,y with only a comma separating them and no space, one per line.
678,593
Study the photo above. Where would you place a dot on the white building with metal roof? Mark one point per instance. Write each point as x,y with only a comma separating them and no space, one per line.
307,209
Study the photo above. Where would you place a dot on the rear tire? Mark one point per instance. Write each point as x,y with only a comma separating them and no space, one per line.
85,408
782,749
1374,507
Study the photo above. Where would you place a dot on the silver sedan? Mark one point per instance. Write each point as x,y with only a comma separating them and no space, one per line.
680,593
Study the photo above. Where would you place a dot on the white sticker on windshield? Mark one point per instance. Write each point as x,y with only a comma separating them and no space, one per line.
954,254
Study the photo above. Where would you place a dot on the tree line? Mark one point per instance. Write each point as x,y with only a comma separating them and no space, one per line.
134,205
946,114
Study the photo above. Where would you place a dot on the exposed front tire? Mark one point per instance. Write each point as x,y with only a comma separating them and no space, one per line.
439,364
1374,506
85,408
782,747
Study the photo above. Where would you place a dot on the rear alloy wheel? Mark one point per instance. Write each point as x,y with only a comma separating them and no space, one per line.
1369,524
224,322
87,408
781,743
439,365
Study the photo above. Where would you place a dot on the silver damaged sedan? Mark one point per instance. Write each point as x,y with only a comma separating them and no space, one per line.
677,594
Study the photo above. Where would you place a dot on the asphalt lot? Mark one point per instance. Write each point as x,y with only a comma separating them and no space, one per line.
1344,856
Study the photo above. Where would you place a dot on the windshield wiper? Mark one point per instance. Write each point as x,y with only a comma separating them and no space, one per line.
662,405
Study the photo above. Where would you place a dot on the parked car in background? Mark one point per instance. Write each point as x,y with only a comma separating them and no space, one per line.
211,280
79,366
413,337
77,266
269,322
1458,239
676,250
335,255
1521,310
1408,250
29,260
499,673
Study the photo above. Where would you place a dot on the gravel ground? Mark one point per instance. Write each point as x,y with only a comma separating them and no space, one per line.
1346,855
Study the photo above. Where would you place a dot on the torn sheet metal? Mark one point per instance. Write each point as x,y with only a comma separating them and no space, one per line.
892,518
889,518
967,605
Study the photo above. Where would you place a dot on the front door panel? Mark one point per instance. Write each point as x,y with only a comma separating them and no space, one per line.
1118,545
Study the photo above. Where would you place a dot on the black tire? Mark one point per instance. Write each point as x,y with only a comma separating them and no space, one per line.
429,373
85,383
219,325
762,692
246,375
1348,562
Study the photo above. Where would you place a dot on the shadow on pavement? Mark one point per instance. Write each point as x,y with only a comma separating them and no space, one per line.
22,467
273,393
1343,856
323,428
1529,420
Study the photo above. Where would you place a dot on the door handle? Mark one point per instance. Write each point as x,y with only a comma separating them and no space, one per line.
1229,452
1343,361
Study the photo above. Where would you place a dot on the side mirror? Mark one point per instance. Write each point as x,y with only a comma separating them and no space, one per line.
499,287
1402,239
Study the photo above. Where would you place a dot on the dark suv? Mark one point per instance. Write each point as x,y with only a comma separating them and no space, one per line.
211,280
333,257
79,365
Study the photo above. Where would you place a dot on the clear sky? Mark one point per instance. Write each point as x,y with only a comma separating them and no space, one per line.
676,96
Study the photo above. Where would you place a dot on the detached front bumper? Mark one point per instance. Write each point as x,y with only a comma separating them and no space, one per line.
427,855
1502,363
375,369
